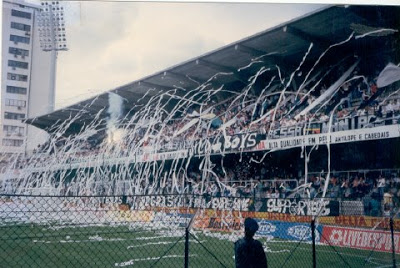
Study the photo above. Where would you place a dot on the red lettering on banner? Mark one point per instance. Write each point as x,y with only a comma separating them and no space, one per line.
361,222
360,238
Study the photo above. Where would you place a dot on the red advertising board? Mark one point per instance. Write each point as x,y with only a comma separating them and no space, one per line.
360,221
360,238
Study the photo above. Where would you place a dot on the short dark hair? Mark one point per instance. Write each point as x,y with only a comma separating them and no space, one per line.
250,227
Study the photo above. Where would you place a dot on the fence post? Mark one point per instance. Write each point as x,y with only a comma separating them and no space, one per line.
187,247
314,259
393,249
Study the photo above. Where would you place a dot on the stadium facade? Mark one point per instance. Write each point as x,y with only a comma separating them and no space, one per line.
297,127
314,97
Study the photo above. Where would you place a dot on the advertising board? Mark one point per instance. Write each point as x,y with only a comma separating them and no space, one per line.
360,238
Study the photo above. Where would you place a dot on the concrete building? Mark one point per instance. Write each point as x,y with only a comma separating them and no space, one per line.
27,79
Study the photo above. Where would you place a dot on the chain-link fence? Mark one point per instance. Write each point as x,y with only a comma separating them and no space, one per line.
190,231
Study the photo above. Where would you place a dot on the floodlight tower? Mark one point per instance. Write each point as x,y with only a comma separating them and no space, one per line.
52,37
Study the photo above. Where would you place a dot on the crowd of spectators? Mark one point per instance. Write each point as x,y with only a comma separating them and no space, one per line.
379,192
357,97
248,113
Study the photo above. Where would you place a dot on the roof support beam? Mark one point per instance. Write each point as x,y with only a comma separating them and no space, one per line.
220,68
151,85
190,80
269,60
215,66
197,82
249,50
127,94
92,106
317,41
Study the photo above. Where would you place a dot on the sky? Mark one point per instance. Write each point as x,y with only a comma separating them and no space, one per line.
113,43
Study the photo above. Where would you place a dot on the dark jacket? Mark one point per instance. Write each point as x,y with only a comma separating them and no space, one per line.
249,253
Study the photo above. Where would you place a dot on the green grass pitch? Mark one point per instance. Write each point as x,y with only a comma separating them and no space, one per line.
121,246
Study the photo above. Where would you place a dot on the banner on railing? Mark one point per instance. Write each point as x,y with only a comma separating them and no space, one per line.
364,134
360,238
316,207
221,203
238,142
257,142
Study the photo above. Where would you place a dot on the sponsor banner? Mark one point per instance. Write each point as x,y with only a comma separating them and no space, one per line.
315,207
131,216
222,224
172,219
277,229
252,214
281,217
220,203
231,220
354,135
361,221
360,238
288,230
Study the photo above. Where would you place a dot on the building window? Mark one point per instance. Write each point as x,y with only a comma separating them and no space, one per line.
17,77
18,51
13,130
16,90
18,64
15,103
21,14
20,26
13,116
19,39
12,142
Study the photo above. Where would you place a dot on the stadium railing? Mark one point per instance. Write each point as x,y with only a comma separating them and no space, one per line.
189,231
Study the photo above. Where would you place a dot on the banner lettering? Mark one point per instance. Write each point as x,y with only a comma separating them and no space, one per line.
360,238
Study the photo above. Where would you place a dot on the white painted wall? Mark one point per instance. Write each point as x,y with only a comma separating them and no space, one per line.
38,86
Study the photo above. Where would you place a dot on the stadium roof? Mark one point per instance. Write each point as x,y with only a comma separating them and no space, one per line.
283,46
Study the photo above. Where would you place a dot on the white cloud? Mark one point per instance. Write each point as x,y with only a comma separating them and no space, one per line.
111,44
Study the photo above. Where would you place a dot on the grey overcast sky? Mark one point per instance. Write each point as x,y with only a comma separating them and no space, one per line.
114,43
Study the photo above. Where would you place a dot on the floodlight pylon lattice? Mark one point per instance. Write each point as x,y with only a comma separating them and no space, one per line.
51,24
53,38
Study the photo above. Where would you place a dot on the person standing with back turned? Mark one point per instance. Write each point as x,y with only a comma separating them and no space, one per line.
249,253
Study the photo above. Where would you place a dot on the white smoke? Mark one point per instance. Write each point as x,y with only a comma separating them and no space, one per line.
115,105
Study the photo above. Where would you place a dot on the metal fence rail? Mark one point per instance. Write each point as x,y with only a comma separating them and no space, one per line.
188,231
